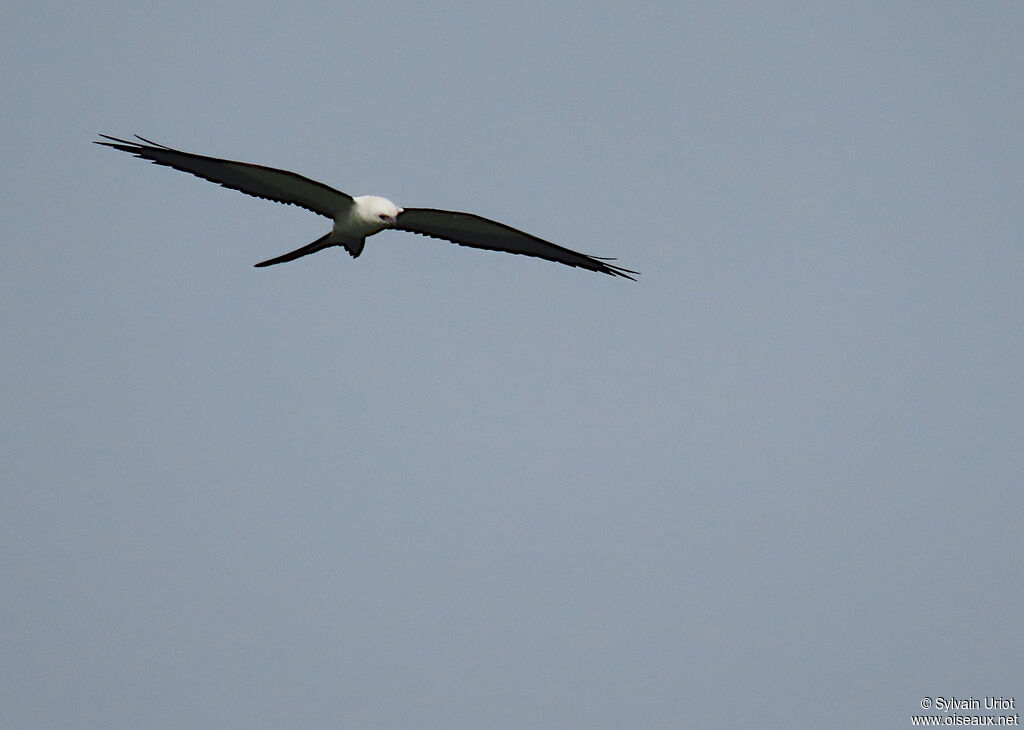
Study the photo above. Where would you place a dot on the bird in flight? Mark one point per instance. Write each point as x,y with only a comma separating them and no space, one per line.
355,218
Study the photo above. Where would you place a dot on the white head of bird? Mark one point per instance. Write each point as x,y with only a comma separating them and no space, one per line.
374,212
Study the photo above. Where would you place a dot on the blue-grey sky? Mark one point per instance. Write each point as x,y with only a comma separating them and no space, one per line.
775,483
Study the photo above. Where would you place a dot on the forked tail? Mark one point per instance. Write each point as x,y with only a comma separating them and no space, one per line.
317,245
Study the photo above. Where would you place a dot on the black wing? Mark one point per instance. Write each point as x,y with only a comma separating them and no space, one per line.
467,229
263,182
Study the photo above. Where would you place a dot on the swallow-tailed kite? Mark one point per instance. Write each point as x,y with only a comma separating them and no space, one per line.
355,218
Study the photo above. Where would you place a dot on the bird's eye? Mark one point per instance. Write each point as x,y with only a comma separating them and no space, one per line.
384,216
